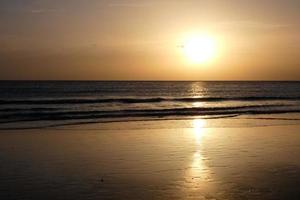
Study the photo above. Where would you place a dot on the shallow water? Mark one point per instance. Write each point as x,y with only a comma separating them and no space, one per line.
159,163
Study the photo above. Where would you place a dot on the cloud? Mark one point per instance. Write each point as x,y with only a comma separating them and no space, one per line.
129,5
42,11
253,25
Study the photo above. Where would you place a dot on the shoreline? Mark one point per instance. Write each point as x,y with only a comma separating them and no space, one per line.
186,122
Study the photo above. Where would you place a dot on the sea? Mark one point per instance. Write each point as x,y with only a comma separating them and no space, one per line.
42,104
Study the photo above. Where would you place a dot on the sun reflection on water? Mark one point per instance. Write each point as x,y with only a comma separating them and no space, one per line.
198,173
198,125
198,104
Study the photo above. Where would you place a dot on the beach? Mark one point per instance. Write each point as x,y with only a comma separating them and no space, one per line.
151,161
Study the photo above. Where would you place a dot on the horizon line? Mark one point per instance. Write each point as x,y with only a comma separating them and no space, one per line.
131,80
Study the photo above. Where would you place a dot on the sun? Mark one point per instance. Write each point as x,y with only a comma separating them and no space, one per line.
200,49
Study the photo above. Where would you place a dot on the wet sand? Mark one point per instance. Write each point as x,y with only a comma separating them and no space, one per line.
180,163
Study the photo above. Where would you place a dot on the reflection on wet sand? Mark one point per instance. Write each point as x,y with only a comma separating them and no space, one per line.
198,177
260,163
198,126
198,168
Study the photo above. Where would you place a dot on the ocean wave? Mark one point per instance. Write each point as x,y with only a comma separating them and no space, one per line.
143,100
82,115
40,109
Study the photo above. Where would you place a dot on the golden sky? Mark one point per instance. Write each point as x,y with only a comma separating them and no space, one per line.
144,40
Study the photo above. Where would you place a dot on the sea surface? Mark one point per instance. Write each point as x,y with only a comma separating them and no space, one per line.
38,104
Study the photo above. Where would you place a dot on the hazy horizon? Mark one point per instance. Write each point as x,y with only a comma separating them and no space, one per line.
142,40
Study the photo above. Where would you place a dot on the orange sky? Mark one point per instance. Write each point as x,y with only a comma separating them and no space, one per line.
140,40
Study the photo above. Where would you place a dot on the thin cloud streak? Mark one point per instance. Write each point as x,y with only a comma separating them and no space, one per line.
41,11
130,5
253,25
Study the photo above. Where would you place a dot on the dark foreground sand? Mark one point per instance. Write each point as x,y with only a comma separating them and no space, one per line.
187,163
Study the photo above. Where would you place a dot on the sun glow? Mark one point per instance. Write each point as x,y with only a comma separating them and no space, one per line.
200,49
